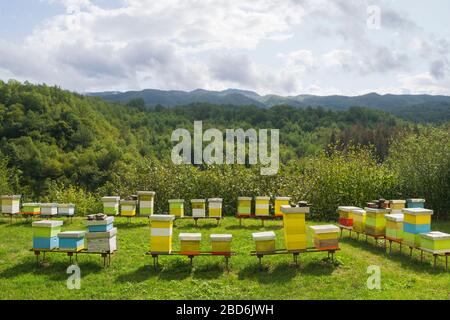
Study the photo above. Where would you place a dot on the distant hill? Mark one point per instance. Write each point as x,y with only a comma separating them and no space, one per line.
418,108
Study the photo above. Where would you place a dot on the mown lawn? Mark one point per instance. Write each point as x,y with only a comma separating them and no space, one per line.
131,275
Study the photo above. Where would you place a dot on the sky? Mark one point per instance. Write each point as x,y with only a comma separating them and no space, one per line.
286,47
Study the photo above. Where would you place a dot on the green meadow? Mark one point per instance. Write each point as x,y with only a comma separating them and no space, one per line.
132,276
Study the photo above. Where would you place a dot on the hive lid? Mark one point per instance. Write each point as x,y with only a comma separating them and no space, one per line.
190,236
176,200
110,198
418,211
262,198
49,205
396,217
398,201
283,198
162,217
146,193
31,204
198,200
245,198
106,221
66,205
221,237
72,234
436,235
325,229
215,200
100,235
348,208
359,212
47,224
377,210
133,202
286,209
11,197
416,200
263,236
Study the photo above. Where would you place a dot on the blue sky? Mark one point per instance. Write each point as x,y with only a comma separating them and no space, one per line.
282,47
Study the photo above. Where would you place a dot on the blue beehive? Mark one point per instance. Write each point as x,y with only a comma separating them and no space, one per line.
415,203
100,225
45,243
71,240
416,228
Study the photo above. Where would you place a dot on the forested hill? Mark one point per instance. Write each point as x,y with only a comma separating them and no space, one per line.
417,108
50,135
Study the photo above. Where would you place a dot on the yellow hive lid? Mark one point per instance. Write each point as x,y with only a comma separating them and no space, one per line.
221,237
359,212
11,197
396,217
198,200
262,198
176,200
435,235
418,211
146,193
283,198
190,236
264,236
47,224
244,198
398,201
162,217
72,234
329,228
110,199
215,200
103,222
286,209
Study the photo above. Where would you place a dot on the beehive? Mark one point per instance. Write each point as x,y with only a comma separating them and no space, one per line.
10,204
100,225
66,209
111,205
416,221
415,203
346,215
128,208
31,208
102,241
262,206
244,206
45,234
71,240
376,221
397,206
359,220
264,241
325,237
294,222
198,208
221,243
161,233
435,242
190,243
280,201
49,209
146,202
176,207
394,226
215,207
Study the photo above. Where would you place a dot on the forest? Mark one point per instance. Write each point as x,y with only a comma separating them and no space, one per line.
57,145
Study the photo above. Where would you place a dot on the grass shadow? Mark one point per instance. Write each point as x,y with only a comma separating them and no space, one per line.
131,225
319,267
282,273
138,275
208,271
177,269
253,227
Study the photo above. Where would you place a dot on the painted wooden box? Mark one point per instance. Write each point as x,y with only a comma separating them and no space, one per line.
146,202
176,207
161,233
111,205
190,243
264,241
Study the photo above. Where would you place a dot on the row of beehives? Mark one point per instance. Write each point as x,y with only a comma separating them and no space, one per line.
143,203
101,236
325,237
11,204
411,225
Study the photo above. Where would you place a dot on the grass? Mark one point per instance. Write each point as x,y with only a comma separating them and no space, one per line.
131,275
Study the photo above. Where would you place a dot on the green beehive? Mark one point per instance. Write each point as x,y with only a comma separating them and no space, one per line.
435,242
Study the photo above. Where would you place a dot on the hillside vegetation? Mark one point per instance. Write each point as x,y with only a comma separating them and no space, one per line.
61,146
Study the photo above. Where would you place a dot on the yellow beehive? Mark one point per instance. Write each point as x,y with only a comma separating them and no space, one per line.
161,233
294,221
11,204
244,206
264,241
176,207
215,207
280,201
262,206
190,243
128,208
198,208
397,206
359,220
221,243
146,202
325,237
